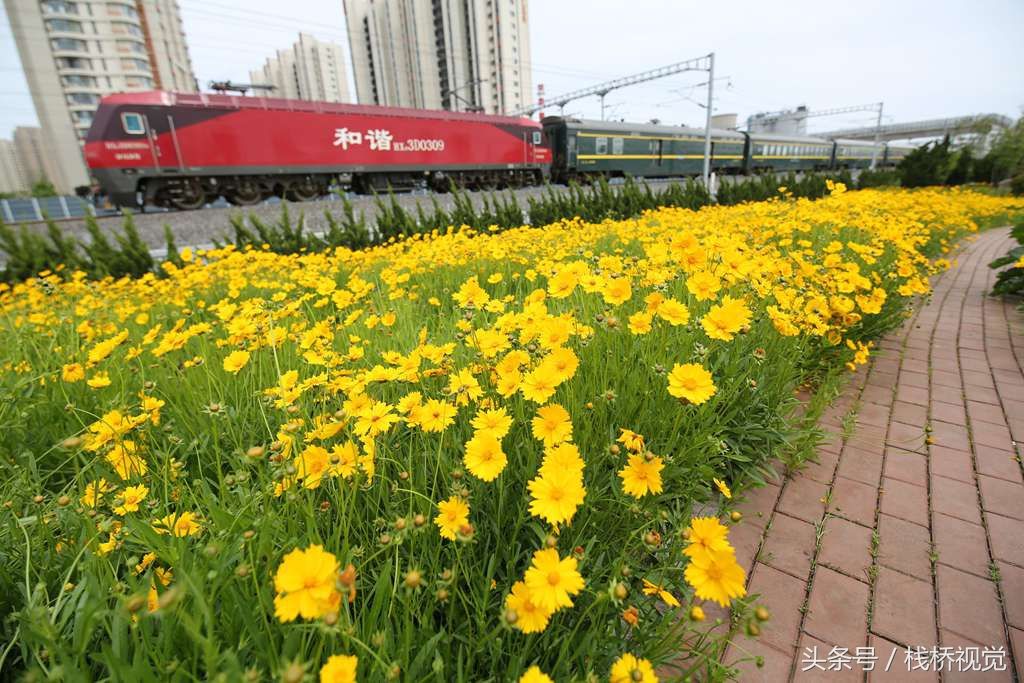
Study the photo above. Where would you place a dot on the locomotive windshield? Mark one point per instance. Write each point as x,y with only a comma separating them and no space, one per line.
132,123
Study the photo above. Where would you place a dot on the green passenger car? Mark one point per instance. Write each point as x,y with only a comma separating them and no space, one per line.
582,148
783,153
850,154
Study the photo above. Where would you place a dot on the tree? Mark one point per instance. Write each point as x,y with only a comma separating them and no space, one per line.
1006,158
43,188
929,164
961,172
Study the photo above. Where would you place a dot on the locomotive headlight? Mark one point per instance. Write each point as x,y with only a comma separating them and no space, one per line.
129,171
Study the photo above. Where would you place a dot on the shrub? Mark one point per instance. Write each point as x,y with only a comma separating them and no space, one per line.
1010,281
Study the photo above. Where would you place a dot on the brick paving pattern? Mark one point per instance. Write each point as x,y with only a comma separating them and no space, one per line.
909,530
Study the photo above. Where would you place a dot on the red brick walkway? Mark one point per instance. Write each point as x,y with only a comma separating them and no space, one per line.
909,531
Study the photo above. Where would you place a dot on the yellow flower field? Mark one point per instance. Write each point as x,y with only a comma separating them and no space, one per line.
455,457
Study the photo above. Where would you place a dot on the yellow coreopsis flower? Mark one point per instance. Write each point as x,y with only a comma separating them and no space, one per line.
530,617
556,494
339,669
73,372
130,499
435,415
235,361
496,421
617,291
311,465
452,515
125,459
535,675
691,382
552,424
484,457
185,524
94,492
716,576
654,589
706,535
631,440
631,669
703,285
538,385
642,475
564,457
640,322
723,488
724,320
552,580
376,418
99,380
306,584
673,312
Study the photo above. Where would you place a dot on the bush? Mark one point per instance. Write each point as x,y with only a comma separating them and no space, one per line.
878,178
1011,280
1017,185
30,253
927,165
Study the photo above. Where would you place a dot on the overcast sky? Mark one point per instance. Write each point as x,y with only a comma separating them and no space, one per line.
923,59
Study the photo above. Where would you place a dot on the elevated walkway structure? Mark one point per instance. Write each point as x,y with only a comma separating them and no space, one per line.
976,124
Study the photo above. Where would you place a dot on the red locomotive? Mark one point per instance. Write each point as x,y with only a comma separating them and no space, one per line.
182,150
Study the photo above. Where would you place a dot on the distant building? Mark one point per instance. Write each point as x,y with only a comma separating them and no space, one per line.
460,55
311,70
35,156
11,177
788,122
724,121
75,51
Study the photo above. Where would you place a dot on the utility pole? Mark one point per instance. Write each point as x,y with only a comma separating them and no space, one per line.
707,125
878,134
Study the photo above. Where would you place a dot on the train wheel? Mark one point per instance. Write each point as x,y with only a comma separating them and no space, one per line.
188,195
304,190
246,193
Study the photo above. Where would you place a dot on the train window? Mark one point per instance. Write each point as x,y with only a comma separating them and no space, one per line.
536,137
616,145
132,123
601,145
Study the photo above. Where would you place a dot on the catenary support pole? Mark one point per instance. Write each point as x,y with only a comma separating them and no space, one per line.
707,125
878,135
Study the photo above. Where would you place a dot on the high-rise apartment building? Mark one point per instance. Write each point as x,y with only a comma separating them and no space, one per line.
11,177
34,155
461,55
25,160
310,70
74,52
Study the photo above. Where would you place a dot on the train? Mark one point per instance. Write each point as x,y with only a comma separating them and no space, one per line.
583,149
184,150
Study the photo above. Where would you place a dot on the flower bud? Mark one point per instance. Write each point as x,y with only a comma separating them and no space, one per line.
135,603
413,579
